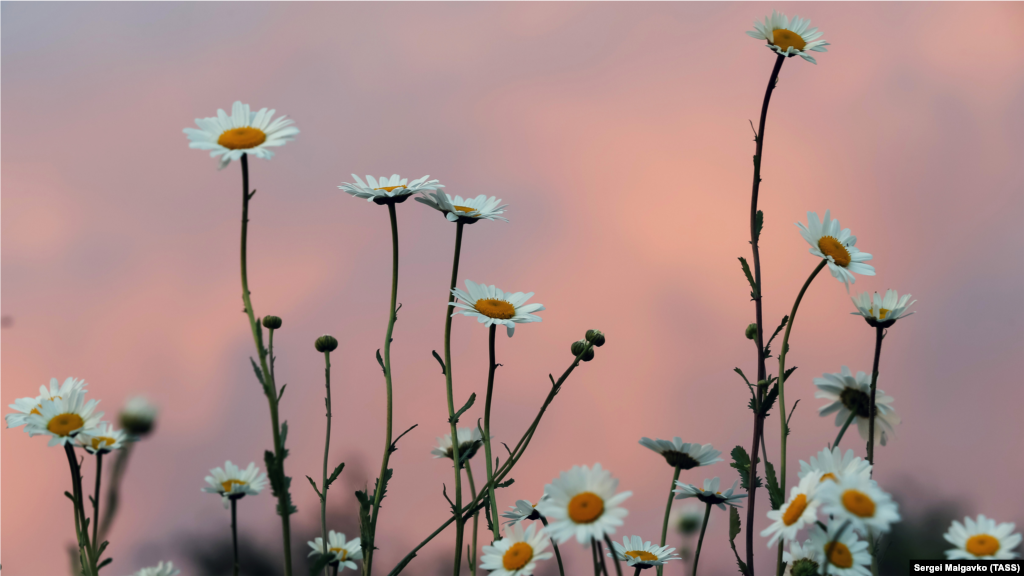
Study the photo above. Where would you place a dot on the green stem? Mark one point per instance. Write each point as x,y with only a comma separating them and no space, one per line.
459,523
473,558
600,557
487,432
114,488
879,335
85,551
668,511
611,550
637,573
593,556
327,446
700,541
96,501
558,554
843,429
236,566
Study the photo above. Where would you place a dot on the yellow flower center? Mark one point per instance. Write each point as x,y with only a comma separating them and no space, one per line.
517,556
343,554
859,503
585,507
839,555
64,424
785,39
795,510
829,476
982,545
463,208
829,246
389,188
101,441
242,138
882,312
642,555
495,308
227,484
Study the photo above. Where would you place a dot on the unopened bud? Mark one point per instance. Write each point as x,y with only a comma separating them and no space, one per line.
595,337
272,322
138,416
578,347
751,331
326,343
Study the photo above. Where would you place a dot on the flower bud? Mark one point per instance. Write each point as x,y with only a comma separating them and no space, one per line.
751,331
578,347
272,322
326,343
138,416
595,337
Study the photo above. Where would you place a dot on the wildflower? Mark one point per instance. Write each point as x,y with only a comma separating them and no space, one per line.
517,553
852,394
881,311
160,569
789,38
801,559
710,494
982,540
102,439
847,555
63,418
470,440
837,247
243,132
523,510
26,406
395,189
683,455
233,483
639,554
861,501
138,416
490,306
834,465
343,552
465,210
800,510
582,502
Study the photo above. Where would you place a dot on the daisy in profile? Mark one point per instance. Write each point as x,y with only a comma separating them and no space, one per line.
582,502
491,306
801,559
160,569
982,540
799,511
683,455
710,494
789,37
523,510
837,247
834,465
232,483
465,210
243,132
881,311
395,189
642,555
344,552
25,406
846,556
102,439
862,502
848,394
63,418
138,416
470,440
517,553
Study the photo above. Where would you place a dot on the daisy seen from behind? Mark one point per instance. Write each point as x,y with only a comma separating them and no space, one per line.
491,306
789,37
394,189
470,440
882,311
846,555
641,555
64,418
801,559
241,132
523,510
232,483
517,553
710,494
344,552
464,210
848,394
582,502
867,507
799,511
683,455
837,247
982,539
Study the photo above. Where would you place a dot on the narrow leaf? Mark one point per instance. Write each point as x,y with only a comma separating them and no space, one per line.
505,484
104,563
313,484
775,493
444,370
334,475
758,224
741,462
769,400
472,399
734,523
750,278
381,362
394,445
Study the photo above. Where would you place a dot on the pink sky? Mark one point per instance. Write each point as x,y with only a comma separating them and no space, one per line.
617,134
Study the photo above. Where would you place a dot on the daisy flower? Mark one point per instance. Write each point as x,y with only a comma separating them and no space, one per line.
582,502
710,494
160,569
789,38
834,465
639,554
344,552
683,455
852,394
862,502
243,132
847,556
63,418
881,311
470,440
688,519
837,247
102,439
395,189
138,416
801,559
465,210
232,483
517,553
491,306
26,406
800,510
523,510
982,540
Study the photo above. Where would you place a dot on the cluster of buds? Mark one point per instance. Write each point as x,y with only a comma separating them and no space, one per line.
586,346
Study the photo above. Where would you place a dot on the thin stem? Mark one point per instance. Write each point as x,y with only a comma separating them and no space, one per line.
637,573
81,523
593,556
761,370
114,488
234,535
611,550
843,429
668,511
96,500
473,558
487,431
459,523
879,335
378,493
558,554
700,541
600,555
327,446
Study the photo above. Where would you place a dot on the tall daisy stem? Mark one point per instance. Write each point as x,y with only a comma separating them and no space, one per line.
236,566
879,335
327,446
558,554
668,511
761,370
473,556
843,429
460,524
638,569
487,432
593,556
700,540
600,557
114,487
611,550
96,500
85,551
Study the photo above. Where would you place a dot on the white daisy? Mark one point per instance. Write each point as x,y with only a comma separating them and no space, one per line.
982,540
102,439
683,455
343,552
492,306
801,559
466,210
837,247
395,189
847,556
160,569
243,132
882,311
582,502
834,465
138,416
523,510
64,418
800,510
687,520
852,394
231,482
470,440
639,554
710,494
26,406
517,553
789,38
862,502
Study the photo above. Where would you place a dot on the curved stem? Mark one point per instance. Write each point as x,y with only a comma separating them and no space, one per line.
843,429
85,550
668,511
700,541
473,558
879,335
600,556
96,501
114,487
558,554
327,446
487,433
611,550
234,535
460,525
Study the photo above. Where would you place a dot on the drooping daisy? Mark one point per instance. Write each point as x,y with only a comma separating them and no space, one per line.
470,440
517,553
523,510
232,483
847,555
138,416
801,559
64,418
465,210
395,189
789,38
852,394
982,540
26,406
160,569
834,465
243,132
882,311
710,494
639,554
837,247
582,502
492,306
683,455
344,552
102,439
688,519
800,510
862,502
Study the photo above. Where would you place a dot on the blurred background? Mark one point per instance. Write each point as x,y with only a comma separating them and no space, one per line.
618,134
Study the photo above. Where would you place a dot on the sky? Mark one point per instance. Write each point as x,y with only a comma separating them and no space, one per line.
618,135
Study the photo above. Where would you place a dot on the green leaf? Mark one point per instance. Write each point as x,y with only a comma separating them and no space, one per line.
284,436
758,224
769,400
381,362
472,398
767,347
394,444
259,376
788,372
444,370
321,562
746,271
334,475
505,484
734,530
104,563
313,484
281,393
741,462
365,504
775,494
